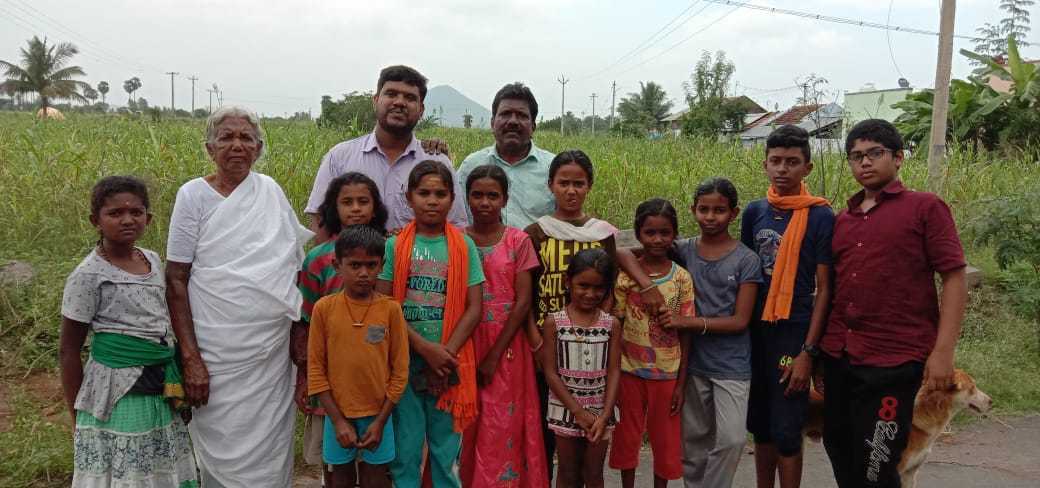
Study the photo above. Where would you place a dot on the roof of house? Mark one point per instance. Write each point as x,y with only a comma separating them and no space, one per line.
795,114
828,115
749,106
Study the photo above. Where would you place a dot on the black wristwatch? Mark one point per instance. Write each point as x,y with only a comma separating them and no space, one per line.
812,349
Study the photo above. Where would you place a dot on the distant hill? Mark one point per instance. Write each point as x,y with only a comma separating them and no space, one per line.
449,106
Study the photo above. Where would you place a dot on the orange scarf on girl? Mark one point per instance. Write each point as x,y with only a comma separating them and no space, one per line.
460,400
781,288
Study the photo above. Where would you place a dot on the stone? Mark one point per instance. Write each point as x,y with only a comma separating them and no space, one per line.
973,276
627,238
16,273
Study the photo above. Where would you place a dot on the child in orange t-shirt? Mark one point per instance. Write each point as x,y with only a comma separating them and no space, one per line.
358,364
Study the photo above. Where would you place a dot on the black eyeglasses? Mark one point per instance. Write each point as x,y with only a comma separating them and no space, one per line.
874,154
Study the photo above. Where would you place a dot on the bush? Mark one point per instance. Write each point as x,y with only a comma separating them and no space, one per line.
1011,225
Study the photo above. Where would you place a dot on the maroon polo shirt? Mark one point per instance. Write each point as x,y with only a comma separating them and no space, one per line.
886,309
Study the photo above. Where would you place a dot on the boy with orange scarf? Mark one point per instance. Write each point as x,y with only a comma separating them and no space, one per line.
434,270
791,232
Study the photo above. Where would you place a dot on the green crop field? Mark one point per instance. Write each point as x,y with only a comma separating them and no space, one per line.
47,170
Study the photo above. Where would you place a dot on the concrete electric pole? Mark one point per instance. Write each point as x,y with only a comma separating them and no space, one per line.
563,93
593,97
941,102
193,80
172,74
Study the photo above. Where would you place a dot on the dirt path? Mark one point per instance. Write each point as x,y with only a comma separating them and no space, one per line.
986,453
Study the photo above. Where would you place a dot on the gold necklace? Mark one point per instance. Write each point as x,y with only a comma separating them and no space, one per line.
350,311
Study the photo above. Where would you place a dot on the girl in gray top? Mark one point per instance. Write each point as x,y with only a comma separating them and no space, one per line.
726,275
127,434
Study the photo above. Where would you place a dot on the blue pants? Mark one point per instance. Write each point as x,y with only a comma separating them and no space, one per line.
417,421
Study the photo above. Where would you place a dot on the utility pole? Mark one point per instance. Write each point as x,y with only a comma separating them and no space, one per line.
941,101
593,97
613,93
563,93
193,80
172,74
211,92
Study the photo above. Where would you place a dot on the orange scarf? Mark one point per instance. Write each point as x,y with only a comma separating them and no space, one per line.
460,400
781,288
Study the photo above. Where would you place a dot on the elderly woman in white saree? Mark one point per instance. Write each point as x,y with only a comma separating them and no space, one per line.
234,248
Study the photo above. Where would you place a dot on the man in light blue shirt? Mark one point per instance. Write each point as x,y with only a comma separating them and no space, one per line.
514,112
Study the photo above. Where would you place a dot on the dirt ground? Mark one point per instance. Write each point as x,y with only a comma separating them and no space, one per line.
991,453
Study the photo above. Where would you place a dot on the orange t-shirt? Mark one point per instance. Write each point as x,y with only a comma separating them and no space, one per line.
361,363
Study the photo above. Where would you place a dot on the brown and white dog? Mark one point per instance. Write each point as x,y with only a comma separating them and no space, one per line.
933,411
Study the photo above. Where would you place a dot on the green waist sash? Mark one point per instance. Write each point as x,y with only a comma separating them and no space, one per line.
123,351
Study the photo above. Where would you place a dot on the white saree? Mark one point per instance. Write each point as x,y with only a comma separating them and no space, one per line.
243,298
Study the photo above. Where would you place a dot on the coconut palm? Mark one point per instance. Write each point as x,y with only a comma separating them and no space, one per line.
102,88
45,71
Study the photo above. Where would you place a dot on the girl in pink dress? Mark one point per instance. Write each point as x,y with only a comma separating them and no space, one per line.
503,448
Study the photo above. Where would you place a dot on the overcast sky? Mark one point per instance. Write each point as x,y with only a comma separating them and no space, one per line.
279,57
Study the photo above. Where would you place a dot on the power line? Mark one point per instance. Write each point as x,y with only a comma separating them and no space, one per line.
683,41
832,19
44,18
647,44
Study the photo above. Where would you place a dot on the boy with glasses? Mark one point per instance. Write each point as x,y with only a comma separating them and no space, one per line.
888,333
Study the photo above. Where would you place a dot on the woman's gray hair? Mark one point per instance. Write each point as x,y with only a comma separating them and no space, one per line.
234,111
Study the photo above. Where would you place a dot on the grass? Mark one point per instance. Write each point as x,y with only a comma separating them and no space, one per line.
48,169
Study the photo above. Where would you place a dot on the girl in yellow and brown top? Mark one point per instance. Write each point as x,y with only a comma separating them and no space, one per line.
560,236
652,355
358,364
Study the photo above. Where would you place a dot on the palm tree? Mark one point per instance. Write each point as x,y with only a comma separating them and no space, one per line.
102,88
131,86
45,72
646,108
90,94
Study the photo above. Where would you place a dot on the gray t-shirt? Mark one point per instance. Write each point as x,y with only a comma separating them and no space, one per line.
108,299
716,283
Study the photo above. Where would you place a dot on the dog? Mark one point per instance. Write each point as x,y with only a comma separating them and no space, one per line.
933,411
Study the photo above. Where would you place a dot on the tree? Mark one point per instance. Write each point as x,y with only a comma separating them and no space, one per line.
45,71
1016,21
102,88
646,109
131,86
711,111
992,38
90,94
979,114
467,121
355,111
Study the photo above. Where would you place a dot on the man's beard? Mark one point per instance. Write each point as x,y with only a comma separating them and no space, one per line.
399,130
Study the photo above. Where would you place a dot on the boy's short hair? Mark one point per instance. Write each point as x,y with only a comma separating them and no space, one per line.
875,130
790,136
404,74
360,237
